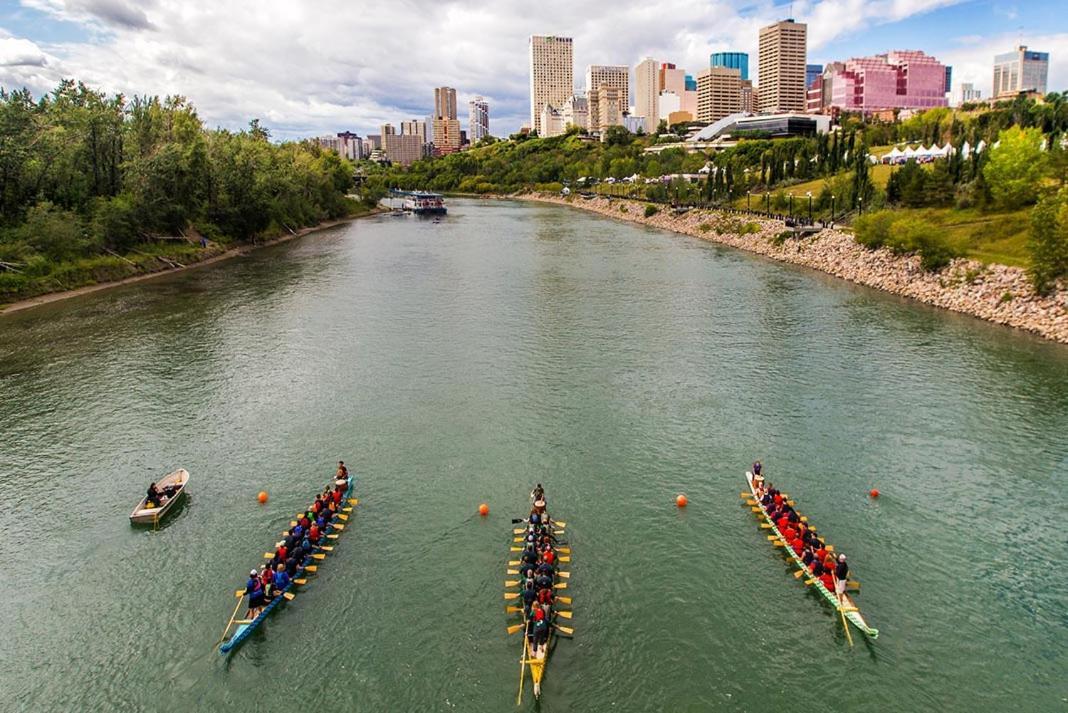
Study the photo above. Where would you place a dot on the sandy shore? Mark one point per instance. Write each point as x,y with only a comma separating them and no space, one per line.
233,252
996,293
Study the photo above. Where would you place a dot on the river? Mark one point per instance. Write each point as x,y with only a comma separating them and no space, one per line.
457,362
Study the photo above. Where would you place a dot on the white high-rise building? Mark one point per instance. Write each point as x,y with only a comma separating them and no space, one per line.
477,120
647,93
1021,70
552,71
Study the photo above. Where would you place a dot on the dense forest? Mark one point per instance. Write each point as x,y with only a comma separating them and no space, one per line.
95,187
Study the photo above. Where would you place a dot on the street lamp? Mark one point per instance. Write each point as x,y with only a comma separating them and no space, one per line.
791,206
832,207
860,200
767,202
809,194
748,202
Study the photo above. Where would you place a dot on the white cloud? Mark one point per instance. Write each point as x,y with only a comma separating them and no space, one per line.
308,68
20,53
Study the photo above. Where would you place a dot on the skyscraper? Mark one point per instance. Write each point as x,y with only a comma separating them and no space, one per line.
551,74
616,76
647,92
445,103
731,60
477,119
782,67
1021,70
445,126
414,127
901,79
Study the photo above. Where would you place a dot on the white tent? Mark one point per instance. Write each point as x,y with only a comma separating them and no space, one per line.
981,146
966,150
895,154
908,153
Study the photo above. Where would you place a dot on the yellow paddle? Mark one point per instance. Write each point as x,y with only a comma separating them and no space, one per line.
563,559
300,581
239,593
512,583
845,625
318,556
353,501
565,614
746,495
289,596
325,548
349,509
565,575
567,630
515,628
514,610
343,517
511,595
512,571
560,585
564,550
311,568
565,600
559,524
229,623
514,563
338,527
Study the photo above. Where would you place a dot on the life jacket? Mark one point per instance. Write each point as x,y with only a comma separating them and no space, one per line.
313,533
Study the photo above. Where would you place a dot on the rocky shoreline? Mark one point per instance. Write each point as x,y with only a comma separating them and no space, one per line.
996,293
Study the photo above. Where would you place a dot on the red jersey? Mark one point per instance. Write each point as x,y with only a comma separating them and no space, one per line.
337,497
778,499
828,580
282,553
545,596
797,544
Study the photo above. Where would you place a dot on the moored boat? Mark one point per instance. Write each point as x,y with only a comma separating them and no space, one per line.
846,607
541,551
147,513
245,627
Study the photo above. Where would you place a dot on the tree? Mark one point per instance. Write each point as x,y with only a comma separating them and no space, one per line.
617,136
1048,241
1016,167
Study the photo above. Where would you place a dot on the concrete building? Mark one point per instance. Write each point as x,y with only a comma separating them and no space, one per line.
616,76
350,145
446,134
1021,70
387,130
606,108
551,74
783,48
477,119
576,112
647,93
901,79
634,124
445,103
551,122
672,79
402,149
719,93
330,143
669,103
414,127
745,96
965,93
731,60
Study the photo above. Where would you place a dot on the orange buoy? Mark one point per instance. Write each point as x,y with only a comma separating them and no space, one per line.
262,497
681,501
483,509
874,493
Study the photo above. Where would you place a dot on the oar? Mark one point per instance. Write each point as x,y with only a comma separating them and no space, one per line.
336,526
512,583
318,556
289,596
515,628
560,585
514,610
561,524
565,575
325,548
230,623
311,568
567,630
565,600
565,614
522,670
354,501
300,581
845,625
511,595
563,559
517,520
343,516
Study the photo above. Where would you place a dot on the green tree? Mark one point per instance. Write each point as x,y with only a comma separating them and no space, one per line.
1048,241
1016,167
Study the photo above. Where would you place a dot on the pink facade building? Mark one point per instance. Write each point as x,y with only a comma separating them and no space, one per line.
901,79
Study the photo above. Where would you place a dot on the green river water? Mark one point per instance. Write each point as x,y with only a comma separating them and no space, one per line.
460,362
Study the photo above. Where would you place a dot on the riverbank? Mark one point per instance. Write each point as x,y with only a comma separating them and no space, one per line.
996,293
208,256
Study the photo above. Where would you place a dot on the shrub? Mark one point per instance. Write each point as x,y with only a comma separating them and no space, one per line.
704,227
1016,166
623,209
779,239
914,235
651,210
749,228
872,230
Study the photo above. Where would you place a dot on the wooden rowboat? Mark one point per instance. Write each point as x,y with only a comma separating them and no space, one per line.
143,515
846,607
245,627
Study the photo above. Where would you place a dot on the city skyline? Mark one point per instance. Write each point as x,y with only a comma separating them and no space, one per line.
302,79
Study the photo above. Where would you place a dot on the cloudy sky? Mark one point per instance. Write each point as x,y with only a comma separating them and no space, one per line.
308,68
